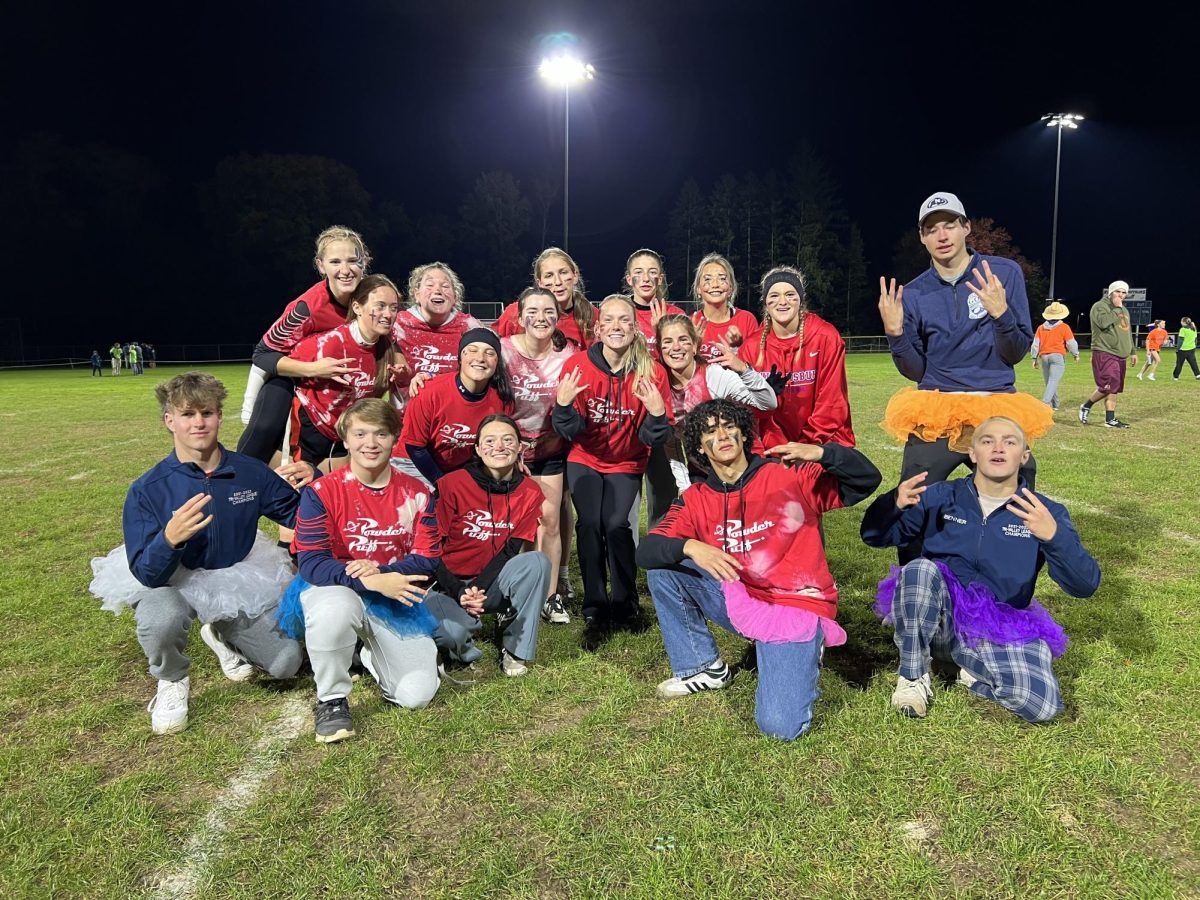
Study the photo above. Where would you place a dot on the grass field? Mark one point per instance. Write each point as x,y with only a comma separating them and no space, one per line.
575,781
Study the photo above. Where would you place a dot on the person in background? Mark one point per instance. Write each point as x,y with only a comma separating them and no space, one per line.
555,271
1185,348
118,357
96,367
1156,337
718,322
1051,343
1112,347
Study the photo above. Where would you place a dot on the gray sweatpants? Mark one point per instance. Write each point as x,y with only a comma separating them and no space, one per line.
164,618
335,618
524,581
1053,366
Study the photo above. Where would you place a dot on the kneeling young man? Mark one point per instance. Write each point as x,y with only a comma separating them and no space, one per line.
969,596
743,549
193,550
487,517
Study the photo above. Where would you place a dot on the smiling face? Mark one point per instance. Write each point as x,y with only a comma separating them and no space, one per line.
677,347
559,277
195,429
539,316
721,442
644,276
616,325
342,264
498,446
477,363
944,236
782,303
435,296
369,445
715,286
998,450
376,314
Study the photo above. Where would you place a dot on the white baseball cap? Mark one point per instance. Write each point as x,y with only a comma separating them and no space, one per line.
940,202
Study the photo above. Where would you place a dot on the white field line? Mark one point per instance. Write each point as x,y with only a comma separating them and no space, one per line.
231,803
90,452
1099,511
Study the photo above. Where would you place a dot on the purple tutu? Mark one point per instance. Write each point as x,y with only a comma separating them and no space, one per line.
979,616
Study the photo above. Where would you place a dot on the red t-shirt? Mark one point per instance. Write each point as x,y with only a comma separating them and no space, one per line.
445,421
814,407
323,398
771,525
711,332
340,514
535,385
426,349
643,320
312,312
508,324
473,525
612,414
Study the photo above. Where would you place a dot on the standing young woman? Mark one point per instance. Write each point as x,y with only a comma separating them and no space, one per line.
1185,347
612,406
427,333
534,360
1051,343
443,419
804,359
366,340
342,259
717,320
366,544
693,382
646,279
1154,341
555,271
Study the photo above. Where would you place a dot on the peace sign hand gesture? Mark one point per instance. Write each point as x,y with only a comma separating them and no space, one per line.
990,291
1040,521
908,494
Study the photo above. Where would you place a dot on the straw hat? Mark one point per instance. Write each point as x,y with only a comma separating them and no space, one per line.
1056,310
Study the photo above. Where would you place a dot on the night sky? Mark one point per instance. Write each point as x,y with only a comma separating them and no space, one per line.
419,98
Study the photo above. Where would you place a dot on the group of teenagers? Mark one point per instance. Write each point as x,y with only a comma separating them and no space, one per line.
429,471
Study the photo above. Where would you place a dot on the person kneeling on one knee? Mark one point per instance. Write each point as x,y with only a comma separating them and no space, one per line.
743,549
969,596
487,520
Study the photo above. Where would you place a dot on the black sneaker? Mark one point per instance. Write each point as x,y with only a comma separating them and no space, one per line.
1083,413
333,721
555,611
1116,423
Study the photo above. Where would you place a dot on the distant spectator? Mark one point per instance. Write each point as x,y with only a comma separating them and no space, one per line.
1185,348
1154,341
96,363
1051,343
117,358
135,365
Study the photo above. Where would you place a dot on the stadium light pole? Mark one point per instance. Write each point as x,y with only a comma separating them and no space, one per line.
566,70
1059,121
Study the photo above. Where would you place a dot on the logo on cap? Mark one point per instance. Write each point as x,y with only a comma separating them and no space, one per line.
936,201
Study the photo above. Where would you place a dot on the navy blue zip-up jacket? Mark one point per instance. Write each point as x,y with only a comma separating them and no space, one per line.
242,489
997,551
951,343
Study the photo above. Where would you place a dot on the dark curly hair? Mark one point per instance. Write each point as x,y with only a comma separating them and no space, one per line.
727,411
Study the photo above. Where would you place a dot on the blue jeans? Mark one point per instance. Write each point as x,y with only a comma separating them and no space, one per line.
686,599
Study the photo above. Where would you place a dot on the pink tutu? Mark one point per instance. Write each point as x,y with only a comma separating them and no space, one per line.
775,623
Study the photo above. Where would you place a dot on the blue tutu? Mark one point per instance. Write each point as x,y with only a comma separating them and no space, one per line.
405,621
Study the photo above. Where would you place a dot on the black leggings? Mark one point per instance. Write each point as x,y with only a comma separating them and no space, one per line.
1190,356
263,437
604,541
936,458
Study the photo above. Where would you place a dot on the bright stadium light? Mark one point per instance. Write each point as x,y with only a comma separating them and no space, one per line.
565,70
1059,121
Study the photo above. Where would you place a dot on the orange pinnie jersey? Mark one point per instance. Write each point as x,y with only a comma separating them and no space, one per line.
1054,340
1155,339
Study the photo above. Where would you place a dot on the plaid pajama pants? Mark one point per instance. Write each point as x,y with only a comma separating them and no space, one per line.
1019,677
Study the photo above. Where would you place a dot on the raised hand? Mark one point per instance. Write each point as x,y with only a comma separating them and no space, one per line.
570,386
717,563
909,492
404,589
1026,506
658,309
795,452
777,380
728,356
333,368
188,520
990,291
734,336
647,391
891,307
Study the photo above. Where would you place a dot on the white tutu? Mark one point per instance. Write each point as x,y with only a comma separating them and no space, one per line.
252,586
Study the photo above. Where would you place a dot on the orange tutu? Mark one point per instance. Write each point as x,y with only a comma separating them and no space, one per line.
931,415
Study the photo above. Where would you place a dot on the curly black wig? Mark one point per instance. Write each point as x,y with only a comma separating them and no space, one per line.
728,411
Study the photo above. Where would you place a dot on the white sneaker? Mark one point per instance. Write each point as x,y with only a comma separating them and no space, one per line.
513,667
913,698
1151,376
168,710
233,664
965,678
1140,376
713,678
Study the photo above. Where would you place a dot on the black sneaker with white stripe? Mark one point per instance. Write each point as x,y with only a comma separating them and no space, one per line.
555,611
712,678
1116,423
333,722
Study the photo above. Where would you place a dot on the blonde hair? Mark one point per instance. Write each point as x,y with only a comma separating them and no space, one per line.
1013,422
766,321
385,351
342,233
191,390
415,276
698,318
581,311
637,357
660,290
372,411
